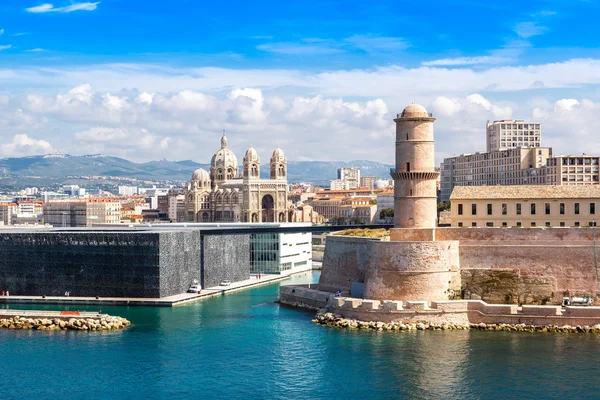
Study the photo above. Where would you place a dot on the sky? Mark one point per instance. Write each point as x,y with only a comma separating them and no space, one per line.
323,80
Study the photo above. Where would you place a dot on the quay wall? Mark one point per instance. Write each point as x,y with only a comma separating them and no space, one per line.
440,312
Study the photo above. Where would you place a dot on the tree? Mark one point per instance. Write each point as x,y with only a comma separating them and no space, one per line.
443,206
386,213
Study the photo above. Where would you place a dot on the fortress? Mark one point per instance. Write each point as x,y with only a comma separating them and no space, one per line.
422,264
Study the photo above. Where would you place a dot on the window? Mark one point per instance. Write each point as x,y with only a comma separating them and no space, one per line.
518,208
532,208
533,224
576,223
547,223
519,224
460,224
473,209
460,209
547,205
504,224
489,224
562,224
473,223
592,208
489,209
504,208
592,223
562,208
576,208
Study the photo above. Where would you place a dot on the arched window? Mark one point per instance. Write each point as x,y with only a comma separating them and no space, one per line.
234,199
226,199
254,170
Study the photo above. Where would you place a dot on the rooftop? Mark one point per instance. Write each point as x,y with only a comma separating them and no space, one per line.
526,192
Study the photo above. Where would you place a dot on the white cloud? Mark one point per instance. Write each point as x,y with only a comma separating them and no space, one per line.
466,61
376,43
5,47
318,46
23,145
529,29
37,50
1,31
48,7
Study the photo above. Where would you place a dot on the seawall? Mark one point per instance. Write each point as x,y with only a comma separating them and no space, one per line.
460,312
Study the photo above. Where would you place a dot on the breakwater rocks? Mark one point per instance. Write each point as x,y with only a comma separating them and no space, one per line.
335,320
105,323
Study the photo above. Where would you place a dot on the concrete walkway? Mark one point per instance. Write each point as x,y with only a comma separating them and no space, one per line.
170,301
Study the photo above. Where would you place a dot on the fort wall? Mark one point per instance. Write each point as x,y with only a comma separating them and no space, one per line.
520,265
412,270
346,260
441,312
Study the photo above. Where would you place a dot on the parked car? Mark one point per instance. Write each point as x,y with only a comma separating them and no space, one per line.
225,282
195,287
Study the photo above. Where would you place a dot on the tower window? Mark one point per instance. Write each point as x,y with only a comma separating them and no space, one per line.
407,167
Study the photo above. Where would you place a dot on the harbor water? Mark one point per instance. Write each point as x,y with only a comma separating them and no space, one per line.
245,346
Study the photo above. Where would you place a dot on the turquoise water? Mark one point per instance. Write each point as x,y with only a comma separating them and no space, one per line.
244,346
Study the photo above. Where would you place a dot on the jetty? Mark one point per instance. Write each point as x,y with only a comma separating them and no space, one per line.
60,320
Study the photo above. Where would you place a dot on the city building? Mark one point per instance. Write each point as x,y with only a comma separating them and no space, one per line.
351,175
367,181
226,195
572,170
515,166
357,210
7,211
525,206
79,213
385,200
339,184
128,190
280,253
507,134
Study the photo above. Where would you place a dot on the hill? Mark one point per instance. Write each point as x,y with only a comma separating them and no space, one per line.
64,165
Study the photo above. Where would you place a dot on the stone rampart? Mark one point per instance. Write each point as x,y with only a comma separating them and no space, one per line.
441,312
345,261
520,265
412,270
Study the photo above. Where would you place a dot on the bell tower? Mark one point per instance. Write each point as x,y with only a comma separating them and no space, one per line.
415,191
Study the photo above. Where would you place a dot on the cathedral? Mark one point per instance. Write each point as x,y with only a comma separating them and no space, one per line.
226,195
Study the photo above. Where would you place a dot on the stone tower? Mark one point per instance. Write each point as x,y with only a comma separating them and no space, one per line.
415,193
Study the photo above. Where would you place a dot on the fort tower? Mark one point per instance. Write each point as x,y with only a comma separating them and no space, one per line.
415,194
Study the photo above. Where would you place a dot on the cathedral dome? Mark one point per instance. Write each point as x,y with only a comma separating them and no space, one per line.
278,153
200,175
414,111
251,155
224,157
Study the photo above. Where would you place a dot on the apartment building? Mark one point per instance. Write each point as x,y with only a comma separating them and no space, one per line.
572,170
7,211
525,206
517,166
82,212
507,134
351,175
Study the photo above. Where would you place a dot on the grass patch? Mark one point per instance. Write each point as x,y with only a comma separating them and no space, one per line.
371,233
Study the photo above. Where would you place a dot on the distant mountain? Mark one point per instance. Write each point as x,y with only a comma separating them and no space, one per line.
63,165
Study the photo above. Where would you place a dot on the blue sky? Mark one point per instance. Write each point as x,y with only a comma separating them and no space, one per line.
149,79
